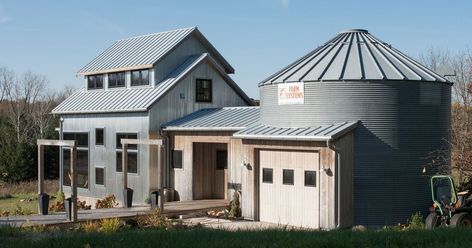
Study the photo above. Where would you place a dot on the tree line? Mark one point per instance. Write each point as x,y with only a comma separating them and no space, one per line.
26,101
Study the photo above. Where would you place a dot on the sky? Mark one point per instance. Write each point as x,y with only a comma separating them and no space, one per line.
257,37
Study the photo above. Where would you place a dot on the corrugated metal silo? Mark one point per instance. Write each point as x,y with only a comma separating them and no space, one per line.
404,109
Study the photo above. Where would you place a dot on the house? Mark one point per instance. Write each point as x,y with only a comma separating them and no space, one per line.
340,138
130,89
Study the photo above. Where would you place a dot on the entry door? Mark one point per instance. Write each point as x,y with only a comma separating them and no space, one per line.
288,188
209,176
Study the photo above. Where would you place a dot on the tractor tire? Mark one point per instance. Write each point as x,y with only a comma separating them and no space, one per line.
432,221
461,220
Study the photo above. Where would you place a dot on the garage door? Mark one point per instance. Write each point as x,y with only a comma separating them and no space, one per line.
289,192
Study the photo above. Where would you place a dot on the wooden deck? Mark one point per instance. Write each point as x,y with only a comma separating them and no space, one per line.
170,209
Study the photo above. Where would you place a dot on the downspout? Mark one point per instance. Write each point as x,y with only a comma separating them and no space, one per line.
329,144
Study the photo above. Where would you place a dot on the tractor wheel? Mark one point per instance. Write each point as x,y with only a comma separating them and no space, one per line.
432,221
461,220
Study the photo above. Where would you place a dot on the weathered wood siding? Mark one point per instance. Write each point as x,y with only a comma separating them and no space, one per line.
105,156
181,179
208,181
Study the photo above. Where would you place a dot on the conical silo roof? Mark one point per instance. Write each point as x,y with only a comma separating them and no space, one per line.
354,55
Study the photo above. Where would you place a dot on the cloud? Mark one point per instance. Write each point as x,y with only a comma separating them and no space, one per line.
4,19
285,3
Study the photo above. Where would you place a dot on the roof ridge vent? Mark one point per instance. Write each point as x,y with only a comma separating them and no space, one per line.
354,31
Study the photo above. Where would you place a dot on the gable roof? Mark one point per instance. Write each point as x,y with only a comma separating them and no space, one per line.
215,119
143,52
354,55
137,99
317,133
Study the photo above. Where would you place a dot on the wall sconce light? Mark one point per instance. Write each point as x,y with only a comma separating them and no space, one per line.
325,169
244,162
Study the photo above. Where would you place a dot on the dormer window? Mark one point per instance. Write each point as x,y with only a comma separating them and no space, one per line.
95,82
140,77
116,80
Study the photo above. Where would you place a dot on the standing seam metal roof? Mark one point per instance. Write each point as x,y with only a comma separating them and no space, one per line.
226,118
144,51
135,99
318,133
354,55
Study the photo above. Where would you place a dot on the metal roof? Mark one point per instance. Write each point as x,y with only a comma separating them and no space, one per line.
354,55
135,99
319,133
144,51
214,119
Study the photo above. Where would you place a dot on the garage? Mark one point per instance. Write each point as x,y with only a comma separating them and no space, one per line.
289,194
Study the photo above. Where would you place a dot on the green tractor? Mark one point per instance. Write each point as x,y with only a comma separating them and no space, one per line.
450,209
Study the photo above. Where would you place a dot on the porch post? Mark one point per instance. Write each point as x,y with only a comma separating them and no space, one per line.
160,173
124,163
73,182
40,169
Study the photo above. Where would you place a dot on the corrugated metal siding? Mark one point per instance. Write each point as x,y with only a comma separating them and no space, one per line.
314,133
354,55
227,118
401,122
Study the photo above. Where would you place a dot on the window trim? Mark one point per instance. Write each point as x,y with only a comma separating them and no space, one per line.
104,175
116,86
134,151
283,176
196,90
104,136
141,78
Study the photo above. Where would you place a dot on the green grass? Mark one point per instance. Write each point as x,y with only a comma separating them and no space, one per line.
9,204
219,238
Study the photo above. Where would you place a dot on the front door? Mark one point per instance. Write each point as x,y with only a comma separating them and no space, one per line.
209,170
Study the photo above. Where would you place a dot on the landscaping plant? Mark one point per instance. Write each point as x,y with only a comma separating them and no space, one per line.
235,206
107,202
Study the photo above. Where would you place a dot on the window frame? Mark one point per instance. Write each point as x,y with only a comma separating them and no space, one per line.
305,177
292,171
95,76
80,148
181,158
198,94
141,78
134,149
103,136
104,175
271,175
117,79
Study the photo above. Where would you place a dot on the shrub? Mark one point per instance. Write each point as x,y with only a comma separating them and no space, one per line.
4,213
107,202
154,219
82,205
110,225
90,226
416,222
235,206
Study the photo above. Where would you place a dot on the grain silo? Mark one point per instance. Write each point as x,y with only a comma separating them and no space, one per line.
403,109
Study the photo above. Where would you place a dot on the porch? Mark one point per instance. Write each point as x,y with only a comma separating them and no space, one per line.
170,209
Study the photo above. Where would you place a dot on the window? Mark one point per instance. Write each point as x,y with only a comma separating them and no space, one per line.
310,178
95,82
140,77
99,136
177,159
99,175
116,80
287,177
81,168
120,136
80,138
221,160
204,90
132,153
267,175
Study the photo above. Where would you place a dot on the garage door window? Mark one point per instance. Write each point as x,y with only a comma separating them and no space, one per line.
310,178
267,175
288,177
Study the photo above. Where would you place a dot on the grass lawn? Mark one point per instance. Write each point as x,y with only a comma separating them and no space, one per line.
217,238
10,204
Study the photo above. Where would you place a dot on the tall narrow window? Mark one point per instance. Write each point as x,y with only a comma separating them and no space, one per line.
99,136
221,159
310,178
95,82
116,80
132,153
140,77
82,165
204,91
100,176
177,159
